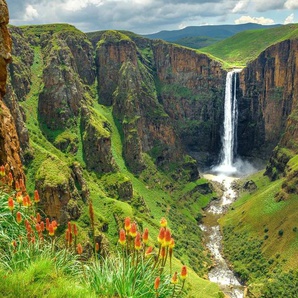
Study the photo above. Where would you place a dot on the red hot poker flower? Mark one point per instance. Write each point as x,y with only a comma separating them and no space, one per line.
156,283
163,222
174,279
133,230
148,251
167,237
10,203
127,224
79,249
183,272
17,186
36,196
38,218
161,235
122,239
145,235
138,244
75,230
19,217
51,230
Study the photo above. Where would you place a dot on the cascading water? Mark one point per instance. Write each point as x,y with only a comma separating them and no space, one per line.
230,125
221,273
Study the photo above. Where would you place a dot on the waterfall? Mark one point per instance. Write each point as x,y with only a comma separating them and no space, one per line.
229,138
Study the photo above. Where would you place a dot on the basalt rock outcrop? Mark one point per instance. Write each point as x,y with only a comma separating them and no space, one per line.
9,142
168,98
67,58
268,104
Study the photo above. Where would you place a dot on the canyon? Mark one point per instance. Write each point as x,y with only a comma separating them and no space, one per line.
118,110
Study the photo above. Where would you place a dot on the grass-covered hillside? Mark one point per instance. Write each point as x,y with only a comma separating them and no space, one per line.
61,163
260,234
245,46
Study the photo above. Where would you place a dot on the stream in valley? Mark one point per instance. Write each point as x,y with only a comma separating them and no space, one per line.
220,273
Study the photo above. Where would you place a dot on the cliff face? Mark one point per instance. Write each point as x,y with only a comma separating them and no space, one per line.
169,99
269,96
9,142
129,86
192,93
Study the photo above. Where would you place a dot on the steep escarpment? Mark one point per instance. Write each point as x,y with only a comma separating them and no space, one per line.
168,98
269,101
129,86
9,142
63,95
192,92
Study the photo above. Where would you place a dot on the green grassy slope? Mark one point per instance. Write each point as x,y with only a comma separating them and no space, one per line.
261,234
151,199
246,46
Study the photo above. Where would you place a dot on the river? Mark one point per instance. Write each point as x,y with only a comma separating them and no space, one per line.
220,272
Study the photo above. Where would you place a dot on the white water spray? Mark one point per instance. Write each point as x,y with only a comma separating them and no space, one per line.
230,125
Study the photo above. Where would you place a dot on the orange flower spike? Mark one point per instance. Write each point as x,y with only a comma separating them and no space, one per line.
145,235
127,224
36,196
138,244
54,224
2,171
26,222
156,283
19,197
168,237
97,246
122,237
172,243
67,235
10,203
17,186
69,226
19,217
10,179
51,230
79,249
161,236
174,279
26,201
70,238
22,184
38,228
42,226
163,222
183,274
75,230
47,223
38,218
133,230
149,251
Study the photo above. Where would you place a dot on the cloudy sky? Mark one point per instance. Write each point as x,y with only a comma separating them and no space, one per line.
149,16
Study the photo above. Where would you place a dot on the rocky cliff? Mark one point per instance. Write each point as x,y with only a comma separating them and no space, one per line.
9,142
269,101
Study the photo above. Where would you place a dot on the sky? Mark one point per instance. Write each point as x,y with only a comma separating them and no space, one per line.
150,16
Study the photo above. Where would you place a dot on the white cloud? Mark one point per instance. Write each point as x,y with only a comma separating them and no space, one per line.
291,4
75,5
240,6
30,13
289,19
270,4
260,20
